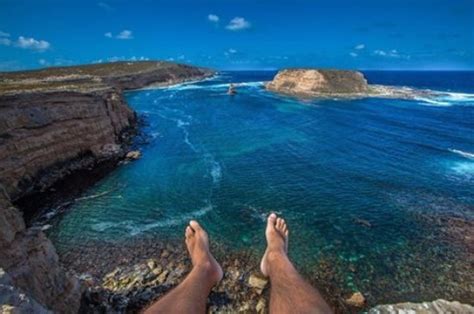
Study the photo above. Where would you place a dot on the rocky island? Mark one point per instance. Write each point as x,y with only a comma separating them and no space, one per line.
53,122
327,83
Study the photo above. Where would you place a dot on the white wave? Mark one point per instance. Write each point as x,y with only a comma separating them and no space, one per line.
433,101
170,222
155,135
465,168
258,214
173,86
440,98
223,86
180,123
216,172
462,153
458,97
215,168
187,141
252,84
93,196
102,226
135,229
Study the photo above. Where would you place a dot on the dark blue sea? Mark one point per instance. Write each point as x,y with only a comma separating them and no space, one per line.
380,191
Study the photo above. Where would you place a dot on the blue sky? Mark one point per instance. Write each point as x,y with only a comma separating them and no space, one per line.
240,34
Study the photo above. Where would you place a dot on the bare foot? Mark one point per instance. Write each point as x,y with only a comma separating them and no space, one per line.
277,240
197,243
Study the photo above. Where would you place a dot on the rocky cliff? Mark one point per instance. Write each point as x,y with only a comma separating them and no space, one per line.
53,122
314,82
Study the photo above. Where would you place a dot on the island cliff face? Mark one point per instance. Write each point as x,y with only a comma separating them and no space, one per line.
338,84
53,122
314,83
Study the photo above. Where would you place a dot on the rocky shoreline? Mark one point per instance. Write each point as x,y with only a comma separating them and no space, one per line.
125,277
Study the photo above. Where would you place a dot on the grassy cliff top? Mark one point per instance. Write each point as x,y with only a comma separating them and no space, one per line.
99,69
85,77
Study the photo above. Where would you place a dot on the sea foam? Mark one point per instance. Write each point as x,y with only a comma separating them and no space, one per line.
134,229
462,153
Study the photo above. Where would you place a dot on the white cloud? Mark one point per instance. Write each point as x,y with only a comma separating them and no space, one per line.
230,52
3,34
393,53
43,62
5,41
353,54
380,53
213,18
125,34
238,23
105,6
142,58
121,58
33,44
359,47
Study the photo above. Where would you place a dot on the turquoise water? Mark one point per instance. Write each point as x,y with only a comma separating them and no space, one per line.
351,177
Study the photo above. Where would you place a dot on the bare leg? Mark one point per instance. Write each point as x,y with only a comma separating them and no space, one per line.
190,296
289,292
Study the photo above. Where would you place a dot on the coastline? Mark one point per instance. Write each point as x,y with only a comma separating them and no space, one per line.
170,256
66,120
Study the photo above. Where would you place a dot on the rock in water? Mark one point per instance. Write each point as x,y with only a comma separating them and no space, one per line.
439,306
318,83
133,155
357,299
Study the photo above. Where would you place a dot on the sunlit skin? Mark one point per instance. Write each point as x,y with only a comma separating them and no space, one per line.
289,292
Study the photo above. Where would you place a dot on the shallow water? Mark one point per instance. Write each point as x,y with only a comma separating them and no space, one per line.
351,177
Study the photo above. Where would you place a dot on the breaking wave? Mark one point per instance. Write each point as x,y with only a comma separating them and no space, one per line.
462,153
439,98
433,102
194,86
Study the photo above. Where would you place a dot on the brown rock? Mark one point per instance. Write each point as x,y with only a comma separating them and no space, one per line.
162,277
261,305
357,299
151,264
258,283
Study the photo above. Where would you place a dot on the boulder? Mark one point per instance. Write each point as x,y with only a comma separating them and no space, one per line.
133,155
357,299
258,283
439,306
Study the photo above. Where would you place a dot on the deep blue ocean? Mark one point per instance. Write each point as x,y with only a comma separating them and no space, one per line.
360,182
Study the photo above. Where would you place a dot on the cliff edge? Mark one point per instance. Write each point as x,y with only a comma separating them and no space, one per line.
53,122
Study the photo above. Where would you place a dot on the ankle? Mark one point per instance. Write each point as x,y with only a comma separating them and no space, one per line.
208,270
275,257
204,267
